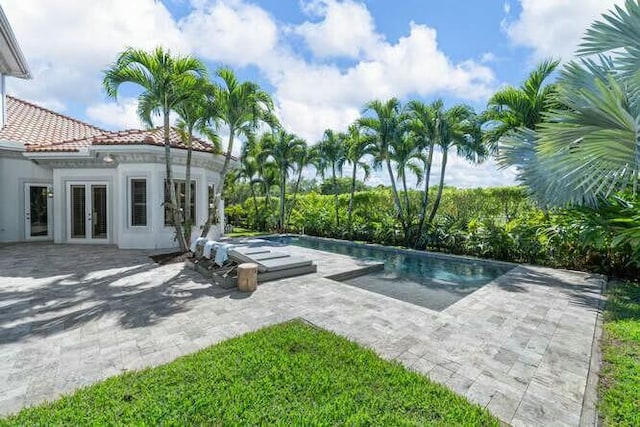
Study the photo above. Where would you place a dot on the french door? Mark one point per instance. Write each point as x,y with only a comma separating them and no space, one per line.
87,213
38,210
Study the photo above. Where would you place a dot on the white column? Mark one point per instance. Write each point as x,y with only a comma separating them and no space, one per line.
3,101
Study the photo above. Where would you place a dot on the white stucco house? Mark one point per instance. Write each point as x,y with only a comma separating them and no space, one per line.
67,181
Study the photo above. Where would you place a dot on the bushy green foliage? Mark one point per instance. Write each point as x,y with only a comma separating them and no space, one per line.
343,184
499,223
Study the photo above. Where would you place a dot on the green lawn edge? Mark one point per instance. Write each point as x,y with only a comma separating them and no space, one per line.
619,389
288,374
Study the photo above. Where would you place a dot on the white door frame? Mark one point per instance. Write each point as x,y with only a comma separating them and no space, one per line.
27,212
88,214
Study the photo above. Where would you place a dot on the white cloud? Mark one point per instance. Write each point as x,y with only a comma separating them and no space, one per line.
553,28
116,116
346,29
313,97
488,57
230,31
461,173
68,43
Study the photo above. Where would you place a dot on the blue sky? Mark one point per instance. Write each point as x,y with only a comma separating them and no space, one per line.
322,60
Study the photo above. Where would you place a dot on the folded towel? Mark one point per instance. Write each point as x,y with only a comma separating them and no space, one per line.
208,247
222,255
195,243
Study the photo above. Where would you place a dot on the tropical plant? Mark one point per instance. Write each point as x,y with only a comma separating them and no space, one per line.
250,169
195,114
167,81
404,154
386,125
588,152
422,124
241,107
269,178
332,156
512,108
302,158
357,146
282,148
459,128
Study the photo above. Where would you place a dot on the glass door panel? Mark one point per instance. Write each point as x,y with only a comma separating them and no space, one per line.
38,210
99,211
78,212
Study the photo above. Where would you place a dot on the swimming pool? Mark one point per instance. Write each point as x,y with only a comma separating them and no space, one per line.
434,282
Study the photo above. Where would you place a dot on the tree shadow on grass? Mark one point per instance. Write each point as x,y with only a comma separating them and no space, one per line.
624,301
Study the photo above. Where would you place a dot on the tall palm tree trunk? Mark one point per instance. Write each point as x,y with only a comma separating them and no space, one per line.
335,193
177,220
394,189
267,204
283,184
255,199
188,224
295,194
436,203
407,207
425,196
353,190
218,194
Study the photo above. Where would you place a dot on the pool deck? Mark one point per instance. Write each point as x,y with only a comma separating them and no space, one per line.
72,315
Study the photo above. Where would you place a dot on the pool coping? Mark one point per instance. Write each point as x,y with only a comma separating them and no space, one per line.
400,250
379,266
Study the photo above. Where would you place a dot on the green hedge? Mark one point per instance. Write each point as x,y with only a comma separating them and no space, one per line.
499,223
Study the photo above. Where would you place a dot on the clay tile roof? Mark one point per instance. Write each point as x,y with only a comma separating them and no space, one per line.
43,130
153,136
31,124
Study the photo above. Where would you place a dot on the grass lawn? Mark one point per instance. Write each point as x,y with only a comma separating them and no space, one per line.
620,375
243,232
288,374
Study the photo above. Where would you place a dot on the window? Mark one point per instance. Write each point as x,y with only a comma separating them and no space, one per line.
211,194
180,194
138,202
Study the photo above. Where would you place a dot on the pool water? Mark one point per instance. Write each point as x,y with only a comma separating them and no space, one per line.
430,282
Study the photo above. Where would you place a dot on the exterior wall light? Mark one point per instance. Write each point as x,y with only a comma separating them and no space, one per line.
108,159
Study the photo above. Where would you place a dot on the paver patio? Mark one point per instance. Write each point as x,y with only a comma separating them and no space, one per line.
73,315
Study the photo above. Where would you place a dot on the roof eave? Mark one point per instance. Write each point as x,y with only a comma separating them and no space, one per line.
76,153
8,41
11,145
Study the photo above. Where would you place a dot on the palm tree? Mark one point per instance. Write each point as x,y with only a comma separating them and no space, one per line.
249,170
423,125
194,114
282,148
241,107
512,108
302,159
584,153
166,81
269,177
387,126
459,128
403,154
332,156
357,146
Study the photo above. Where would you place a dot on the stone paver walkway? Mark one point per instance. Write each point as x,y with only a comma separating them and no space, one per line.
72,315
